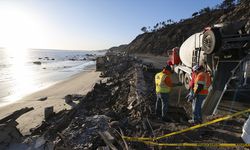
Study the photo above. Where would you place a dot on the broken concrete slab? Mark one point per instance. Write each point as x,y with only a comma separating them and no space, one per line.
16,114
48,112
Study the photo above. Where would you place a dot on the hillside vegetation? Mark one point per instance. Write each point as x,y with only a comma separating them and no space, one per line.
158,41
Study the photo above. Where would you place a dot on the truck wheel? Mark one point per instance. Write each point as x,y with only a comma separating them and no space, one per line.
186,80
211,41
180,76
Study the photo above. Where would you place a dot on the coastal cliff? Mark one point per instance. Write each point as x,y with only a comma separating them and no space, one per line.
157,42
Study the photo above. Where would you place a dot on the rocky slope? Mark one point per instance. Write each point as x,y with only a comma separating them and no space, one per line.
173,35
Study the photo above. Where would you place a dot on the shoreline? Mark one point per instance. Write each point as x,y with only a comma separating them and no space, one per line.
80,83
13,99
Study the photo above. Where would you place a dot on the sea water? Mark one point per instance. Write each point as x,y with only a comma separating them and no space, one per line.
20,76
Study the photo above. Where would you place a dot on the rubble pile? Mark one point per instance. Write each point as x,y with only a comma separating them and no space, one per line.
9,132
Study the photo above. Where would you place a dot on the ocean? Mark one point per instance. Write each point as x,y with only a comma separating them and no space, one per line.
25,71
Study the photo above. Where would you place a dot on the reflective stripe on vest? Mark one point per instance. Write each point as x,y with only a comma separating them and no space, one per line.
160,84
205,84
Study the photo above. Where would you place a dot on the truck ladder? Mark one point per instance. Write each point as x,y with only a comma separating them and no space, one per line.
196,56
197,51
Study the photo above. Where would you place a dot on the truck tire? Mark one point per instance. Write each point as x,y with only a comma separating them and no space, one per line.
186,80
180,76
211,41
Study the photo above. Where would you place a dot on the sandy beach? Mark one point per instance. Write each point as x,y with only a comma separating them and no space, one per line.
80,83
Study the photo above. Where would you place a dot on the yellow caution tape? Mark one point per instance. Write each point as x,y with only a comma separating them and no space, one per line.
198,144
147,139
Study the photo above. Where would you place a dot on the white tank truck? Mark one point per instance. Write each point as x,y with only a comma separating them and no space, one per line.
224,50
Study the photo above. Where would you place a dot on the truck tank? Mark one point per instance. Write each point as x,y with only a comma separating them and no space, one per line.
188,47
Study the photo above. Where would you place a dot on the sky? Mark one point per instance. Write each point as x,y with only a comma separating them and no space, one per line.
86,24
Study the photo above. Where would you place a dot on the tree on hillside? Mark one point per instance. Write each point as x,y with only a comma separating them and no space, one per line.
156,26
241,1
182,20
164,24
144,29
195,14
205,10
218,6
169,21
227,4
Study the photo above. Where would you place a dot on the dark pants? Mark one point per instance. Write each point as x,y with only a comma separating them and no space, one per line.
161,105
196,106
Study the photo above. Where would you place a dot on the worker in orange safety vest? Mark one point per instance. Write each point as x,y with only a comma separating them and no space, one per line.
201,84
191,83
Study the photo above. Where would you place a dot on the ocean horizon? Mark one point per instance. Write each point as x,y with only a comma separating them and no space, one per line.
26,71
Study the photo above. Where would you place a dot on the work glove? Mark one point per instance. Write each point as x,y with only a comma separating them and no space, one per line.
190,97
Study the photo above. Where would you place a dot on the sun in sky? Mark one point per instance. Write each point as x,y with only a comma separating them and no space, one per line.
19,29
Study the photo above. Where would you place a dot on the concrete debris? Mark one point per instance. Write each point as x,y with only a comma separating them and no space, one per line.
37,62
108,139
73,97
48,112
43,98
9,133
33,142
15,115
103,148
69,99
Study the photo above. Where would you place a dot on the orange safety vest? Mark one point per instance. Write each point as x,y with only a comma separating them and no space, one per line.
191,82
204,79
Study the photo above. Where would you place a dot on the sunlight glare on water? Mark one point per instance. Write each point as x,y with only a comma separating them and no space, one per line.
21,75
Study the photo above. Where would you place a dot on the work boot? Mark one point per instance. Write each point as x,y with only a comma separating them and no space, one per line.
193,122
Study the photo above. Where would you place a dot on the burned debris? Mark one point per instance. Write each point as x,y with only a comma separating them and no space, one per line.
9,133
